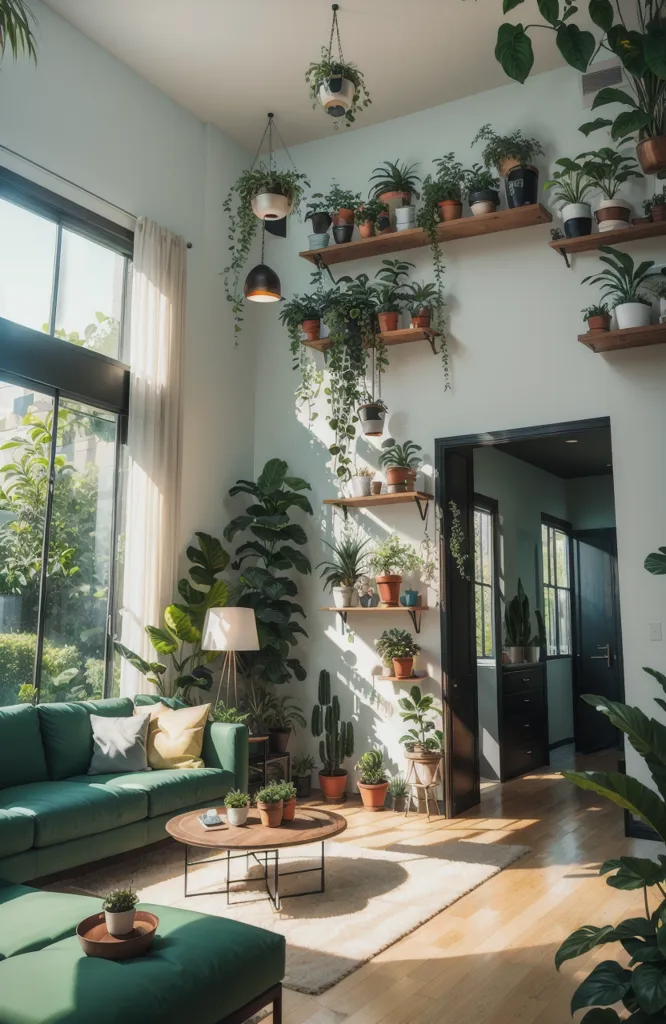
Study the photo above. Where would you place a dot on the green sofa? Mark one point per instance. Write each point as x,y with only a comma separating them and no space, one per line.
53,816
199,970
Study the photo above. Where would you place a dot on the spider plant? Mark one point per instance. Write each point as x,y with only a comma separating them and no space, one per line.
420,296
16,29
622,279
395,177
347,565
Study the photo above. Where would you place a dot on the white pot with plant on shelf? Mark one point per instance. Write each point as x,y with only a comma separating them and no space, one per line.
621,280
343,570
119,908
361,483
609,170
633,314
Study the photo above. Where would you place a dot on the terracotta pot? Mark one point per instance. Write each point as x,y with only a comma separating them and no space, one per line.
403,668
658,213
507,165
421,320
311,329
270,814
366,229
399,479
386,197
450,209
425,765
289,809
333,787
343,216
599,323
651,154
376,487
374,795
389,590
388,321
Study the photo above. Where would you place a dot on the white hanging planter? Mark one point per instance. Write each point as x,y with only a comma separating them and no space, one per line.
271,206
632,314
336,95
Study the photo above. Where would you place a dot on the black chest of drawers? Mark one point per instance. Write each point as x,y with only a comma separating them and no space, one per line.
523,719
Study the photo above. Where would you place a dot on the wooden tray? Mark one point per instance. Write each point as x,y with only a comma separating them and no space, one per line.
96,941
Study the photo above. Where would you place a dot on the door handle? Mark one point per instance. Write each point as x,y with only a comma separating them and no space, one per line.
606,656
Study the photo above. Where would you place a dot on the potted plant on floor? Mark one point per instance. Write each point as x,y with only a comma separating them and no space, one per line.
482,187
373,784
421,299
269,804
570,185
621,281
400,463
423,742
301,771
367,215
288,791
338,86
237,804
513,158
397,791
342,572
390,560
396,184
372,415
655,208
597,318
119,908
338,742
281,715
399,647
517,626
609,170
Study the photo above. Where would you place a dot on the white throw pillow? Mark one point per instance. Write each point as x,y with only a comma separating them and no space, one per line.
119,745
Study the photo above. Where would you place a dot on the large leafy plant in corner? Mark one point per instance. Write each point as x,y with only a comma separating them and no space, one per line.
179,639
272,549
640,982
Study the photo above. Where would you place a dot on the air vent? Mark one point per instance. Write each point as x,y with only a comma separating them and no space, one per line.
601,76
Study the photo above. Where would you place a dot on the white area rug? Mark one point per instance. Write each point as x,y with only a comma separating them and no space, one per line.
372,898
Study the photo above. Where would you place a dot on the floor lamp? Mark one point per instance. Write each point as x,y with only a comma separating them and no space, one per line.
230,630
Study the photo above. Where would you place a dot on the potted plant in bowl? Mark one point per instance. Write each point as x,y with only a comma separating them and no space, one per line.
396,184
655,208
597,317
398,646
237,804
390,560
281,716
337,744
288,791
373,784
338,85
401,463
119,908
423,742
421,298
513,158
570,185
269,804
482,190
398,790
342,572
621,281
609,169
301,771
372,415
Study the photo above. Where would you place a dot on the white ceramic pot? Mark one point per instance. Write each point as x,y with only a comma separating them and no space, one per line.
516,655
336,96
484,206
270,206
405,218
577,219
237,816
621,211
632,314
343,597
361,486
119,924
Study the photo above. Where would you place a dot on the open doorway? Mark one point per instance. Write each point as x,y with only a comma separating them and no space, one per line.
533,511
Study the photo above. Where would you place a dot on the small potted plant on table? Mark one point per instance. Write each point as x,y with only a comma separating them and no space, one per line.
338,742
570,185
395,184
609,170
513,157
398,646
281,715
482,190
597,318
269,804
301,770
237,804
621,281
373,784
288,791
119,908
423,742
342,572
389,561
517,626
401,464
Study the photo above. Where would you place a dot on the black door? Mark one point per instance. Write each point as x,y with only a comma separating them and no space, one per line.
459,686
598,660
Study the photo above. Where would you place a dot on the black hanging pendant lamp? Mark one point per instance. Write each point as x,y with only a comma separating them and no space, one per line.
262,283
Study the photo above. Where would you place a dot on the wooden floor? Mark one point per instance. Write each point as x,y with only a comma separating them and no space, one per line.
488,959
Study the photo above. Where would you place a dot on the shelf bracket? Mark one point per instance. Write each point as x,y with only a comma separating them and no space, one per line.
416,622
565,256
422,506
433,344
320,265
343,615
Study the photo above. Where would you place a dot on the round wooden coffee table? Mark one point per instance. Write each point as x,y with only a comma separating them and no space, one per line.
253,839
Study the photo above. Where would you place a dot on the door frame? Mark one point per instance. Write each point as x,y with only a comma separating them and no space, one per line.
448,638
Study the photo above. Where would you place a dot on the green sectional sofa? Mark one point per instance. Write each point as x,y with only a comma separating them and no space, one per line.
53,816
199,970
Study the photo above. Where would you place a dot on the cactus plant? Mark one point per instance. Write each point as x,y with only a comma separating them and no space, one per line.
338,741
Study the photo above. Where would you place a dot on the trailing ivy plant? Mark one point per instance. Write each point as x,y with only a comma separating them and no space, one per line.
434,190
321,71
458,541
263,560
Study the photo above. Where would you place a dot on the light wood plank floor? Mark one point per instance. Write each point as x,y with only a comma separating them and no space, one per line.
488,959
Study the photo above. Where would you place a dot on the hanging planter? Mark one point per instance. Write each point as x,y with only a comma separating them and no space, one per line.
371,416
271,203
336,84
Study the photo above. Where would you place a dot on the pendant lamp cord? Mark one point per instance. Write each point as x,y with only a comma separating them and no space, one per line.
263,238
335,30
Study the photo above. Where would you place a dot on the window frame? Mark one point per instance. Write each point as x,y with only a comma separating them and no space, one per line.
552,523
490,506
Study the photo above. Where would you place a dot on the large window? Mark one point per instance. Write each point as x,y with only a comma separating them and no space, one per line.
556,588
484,583
63,409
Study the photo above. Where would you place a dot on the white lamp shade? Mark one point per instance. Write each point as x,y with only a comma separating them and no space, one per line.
230,629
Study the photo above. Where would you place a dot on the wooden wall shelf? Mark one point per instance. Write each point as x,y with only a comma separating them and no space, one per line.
630,337
402,337
420,499
416,238
569,246
382,610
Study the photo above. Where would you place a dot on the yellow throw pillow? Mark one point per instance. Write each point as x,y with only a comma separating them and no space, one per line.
175,738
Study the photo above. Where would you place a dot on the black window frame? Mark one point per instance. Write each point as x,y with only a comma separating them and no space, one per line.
490,507
562,526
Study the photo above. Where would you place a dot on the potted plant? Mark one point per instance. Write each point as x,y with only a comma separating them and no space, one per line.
423,742
482,190
513,158
400,462
597,317
537,644
301,770
269,804
367,214
450,178
302,313
390,560
392,277
373,784
570,185
658,289
342,572
398,646
395,183
621,281
609,170
119,908
655,208
371,416
318,212
338,86
281,715
338,742
398,790
341,204
517,626
237,804
361,482
421,299
288,791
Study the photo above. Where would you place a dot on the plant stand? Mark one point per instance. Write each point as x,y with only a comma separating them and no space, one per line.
428,791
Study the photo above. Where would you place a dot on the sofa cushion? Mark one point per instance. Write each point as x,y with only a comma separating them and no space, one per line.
17,832
67,733
199,970
175,737
71,810
119,745
21,751
169,790
30,919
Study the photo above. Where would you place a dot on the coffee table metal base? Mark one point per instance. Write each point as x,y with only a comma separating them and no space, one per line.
269,860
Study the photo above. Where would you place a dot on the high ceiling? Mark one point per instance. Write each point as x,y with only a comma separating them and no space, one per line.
579,453
231,61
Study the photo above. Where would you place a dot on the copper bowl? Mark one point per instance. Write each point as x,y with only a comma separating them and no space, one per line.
96,941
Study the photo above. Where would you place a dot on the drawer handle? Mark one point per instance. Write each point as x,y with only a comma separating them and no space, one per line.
526,700
525,679
529,751
526,726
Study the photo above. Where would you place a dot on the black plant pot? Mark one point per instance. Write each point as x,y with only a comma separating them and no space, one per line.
321,222
485,195
278,740
371,417
522,187
383,222
577,227
343,232
303,785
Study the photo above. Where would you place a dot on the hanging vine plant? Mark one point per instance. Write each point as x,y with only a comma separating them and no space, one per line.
336,84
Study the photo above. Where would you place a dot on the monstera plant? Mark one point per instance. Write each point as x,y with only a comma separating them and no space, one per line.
179,639
640,983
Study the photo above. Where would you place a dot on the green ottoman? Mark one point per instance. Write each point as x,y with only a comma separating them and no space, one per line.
200,969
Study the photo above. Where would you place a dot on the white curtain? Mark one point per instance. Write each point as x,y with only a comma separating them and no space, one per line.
152,495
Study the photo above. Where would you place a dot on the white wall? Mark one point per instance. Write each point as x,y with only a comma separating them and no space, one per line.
591,502
514,316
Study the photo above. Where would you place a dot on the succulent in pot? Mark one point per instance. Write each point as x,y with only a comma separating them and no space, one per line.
421,298
338,86
372,415
655,207
390,560
237,804
345,568
513,158
119,908
281,716
373,784
597,317
361,482
270,805
621,281
401,463
423,742
289,794
482,190
337,743
399,647
570,185
301,771
609,169
398,791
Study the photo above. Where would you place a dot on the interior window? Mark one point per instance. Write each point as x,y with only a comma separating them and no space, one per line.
484,583
556,590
